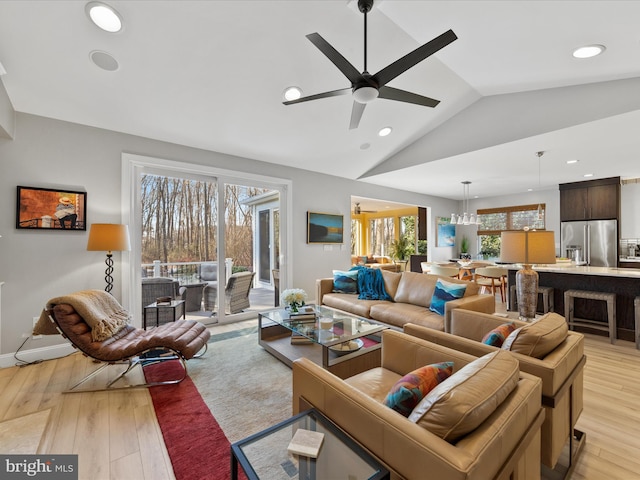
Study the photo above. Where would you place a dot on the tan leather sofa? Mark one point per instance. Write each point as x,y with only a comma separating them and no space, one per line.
375,261
561,370
411,293
505,445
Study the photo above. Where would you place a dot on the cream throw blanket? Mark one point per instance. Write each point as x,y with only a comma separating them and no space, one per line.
99,309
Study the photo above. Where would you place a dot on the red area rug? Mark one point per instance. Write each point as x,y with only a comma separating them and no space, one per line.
197,446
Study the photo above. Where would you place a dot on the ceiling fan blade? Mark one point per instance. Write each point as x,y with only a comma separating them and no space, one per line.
356,114
403,64
333,93
336,58
390,93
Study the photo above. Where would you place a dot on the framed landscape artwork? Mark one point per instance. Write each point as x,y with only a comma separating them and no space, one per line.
324,228
50,209
446,233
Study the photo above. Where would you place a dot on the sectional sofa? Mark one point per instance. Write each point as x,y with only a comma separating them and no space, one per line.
544,348
483,423
411,294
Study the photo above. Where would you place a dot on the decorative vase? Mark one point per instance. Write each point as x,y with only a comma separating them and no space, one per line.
527,291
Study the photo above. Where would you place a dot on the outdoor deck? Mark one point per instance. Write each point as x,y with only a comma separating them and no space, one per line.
261,298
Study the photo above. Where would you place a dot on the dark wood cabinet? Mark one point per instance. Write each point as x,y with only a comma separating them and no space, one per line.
624,264
594,200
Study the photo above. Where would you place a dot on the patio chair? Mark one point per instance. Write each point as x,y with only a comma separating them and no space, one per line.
156,287
236,293
97,325
209,272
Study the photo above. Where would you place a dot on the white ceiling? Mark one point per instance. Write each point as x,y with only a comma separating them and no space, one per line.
210,74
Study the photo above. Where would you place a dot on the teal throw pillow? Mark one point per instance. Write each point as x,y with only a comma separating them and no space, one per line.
445,292
496,336
345,282
414,386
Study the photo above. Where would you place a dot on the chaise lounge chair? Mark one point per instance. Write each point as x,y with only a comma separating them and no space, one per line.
97,325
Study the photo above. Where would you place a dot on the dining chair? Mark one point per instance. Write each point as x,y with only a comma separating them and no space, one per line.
492,278
445,271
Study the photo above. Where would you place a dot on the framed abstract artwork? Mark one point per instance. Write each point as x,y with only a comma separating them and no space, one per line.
324,228
51,209
446,233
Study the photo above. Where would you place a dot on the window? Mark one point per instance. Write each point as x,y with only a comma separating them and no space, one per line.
355,236
408,230
382,234
496,220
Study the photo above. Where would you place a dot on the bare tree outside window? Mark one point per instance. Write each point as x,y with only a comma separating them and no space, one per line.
180,217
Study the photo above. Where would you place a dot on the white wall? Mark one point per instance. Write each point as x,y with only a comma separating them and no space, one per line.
630,210
39,265
7,115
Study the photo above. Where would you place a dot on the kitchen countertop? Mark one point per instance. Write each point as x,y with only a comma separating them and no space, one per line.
585,270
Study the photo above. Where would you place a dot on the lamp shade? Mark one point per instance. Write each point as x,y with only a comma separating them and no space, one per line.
528,247
108,237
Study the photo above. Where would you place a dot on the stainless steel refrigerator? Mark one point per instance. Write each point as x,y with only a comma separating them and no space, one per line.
592,242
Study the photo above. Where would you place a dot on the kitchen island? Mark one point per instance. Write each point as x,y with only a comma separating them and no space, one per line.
624,282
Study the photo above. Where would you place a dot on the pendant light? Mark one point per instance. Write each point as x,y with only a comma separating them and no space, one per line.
465,218
540,215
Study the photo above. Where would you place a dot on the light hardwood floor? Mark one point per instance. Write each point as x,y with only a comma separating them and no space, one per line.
116,434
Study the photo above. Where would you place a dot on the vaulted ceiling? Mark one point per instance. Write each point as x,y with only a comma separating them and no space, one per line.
211,74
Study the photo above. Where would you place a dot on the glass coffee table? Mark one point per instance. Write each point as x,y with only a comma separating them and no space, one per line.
265,455
340,342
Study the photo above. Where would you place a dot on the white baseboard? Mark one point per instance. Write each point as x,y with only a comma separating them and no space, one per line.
35,354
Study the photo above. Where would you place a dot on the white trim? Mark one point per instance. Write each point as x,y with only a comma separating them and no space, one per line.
35,354
133,164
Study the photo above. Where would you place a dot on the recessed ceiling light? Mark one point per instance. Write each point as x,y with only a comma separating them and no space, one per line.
587,175
385,131
292,93
104,16
365,146
588,51
571,162
529,189
104,60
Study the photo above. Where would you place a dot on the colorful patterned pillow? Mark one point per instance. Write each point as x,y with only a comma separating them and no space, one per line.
345,282
445,292
496,336
410,389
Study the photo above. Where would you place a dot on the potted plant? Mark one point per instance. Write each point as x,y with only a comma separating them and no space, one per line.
464,248
399,248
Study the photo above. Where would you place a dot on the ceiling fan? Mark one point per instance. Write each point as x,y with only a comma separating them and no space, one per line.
357,210
366,87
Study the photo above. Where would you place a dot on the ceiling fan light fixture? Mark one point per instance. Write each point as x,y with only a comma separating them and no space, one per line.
365,94
589,51
104,16
292,93
384,131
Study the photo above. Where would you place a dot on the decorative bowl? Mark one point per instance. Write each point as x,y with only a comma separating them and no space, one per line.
347,347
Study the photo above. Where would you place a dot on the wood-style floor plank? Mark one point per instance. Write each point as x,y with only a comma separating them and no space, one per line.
116,434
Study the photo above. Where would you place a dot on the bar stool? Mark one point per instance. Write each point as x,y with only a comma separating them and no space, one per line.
609,298
636,309
547,298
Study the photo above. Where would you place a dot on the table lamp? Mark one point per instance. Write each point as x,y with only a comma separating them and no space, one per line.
527,247
109,237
